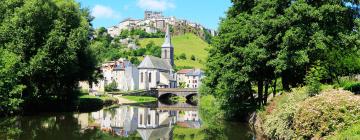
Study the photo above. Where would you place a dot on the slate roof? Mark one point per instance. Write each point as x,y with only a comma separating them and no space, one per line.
151,62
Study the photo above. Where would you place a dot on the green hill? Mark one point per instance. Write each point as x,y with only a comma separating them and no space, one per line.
189,44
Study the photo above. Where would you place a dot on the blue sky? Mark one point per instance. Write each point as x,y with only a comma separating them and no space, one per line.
110,12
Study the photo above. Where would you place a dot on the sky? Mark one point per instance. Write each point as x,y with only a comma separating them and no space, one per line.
108,13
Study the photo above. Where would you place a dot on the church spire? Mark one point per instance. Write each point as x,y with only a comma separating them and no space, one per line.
167,42
167,49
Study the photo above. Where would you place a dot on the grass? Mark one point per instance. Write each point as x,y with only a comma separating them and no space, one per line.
140,99
189,44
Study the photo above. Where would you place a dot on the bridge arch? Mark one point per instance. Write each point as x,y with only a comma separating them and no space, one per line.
167,95
191,95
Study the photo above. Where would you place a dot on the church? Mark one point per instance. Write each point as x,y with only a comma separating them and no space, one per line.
157,72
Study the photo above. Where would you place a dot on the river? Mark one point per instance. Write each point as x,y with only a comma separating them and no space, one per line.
133,122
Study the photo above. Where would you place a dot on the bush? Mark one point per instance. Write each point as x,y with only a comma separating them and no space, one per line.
326,113
351,133
280,113
182,56
355,88
192,57
111,87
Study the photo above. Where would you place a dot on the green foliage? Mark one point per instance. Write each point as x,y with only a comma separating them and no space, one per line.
312,80
350,133
87,103
44,47
355,88
182,84
322,115
261,41
182,56
193,57
279,114
140,33
111,87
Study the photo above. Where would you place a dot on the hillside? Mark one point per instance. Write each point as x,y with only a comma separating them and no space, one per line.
189,44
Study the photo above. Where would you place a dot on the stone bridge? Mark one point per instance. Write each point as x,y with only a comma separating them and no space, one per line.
183,92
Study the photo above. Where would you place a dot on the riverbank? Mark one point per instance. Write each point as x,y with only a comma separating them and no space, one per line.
296,115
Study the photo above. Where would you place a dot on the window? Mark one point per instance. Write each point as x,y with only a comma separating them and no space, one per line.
142,77
141,119
165,54
149,119
149,77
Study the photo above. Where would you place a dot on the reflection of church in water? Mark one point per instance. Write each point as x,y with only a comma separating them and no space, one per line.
149,123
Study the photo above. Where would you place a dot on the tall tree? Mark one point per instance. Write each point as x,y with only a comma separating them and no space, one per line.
262,41
45,44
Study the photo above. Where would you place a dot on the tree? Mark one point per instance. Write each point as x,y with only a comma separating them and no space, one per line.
193,57
47,43
182,56
262,41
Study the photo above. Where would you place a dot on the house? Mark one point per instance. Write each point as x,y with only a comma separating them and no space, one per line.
157,72
125,75
181,77
122,72
190,77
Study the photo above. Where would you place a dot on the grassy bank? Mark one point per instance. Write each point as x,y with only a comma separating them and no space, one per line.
87,103
296,115
140,99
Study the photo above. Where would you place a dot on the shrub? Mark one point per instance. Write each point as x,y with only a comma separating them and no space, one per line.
278,122
351,133
182,56
355,88
326,113
111,87
192,57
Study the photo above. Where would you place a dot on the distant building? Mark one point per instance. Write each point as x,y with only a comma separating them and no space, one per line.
152,15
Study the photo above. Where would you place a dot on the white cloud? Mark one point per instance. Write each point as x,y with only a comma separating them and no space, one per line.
100,11
161,5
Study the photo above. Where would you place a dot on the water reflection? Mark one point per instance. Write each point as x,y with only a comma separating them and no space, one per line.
149,123
124,122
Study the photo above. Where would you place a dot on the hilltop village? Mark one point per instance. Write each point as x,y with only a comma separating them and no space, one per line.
154,22
153,72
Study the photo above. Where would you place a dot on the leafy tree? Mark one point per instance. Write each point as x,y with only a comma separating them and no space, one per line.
262,41
44,45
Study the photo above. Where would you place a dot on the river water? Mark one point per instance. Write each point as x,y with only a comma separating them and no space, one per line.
133,122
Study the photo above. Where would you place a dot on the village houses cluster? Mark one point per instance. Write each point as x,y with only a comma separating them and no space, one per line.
153,72
153,22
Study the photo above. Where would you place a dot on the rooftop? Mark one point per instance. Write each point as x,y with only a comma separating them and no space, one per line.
151,62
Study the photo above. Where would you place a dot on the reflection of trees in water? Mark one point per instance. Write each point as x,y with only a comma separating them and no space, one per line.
61,127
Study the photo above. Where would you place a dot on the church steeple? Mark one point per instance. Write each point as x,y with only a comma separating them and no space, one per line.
167,49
